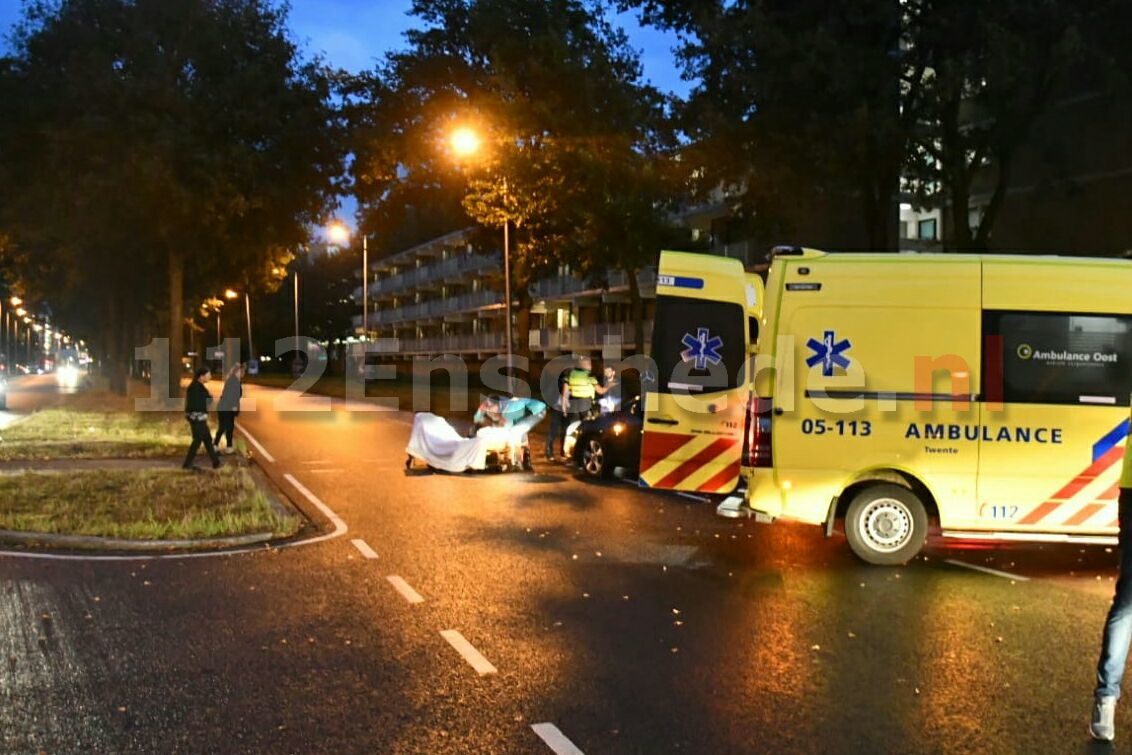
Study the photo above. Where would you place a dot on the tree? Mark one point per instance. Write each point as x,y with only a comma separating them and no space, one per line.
554,90
796,113
161,140
802,99
990,71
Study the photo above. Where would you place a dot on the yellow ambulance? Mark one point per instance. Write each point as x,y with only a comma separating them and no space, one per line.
988,394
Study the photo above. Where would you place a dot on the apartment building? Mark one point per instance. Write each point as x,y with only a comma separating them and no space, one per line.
442,297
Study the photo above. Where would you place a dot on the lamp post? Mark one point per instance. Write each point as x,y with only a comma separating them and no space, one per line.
231,294
248,313
465,141
340,234
15,301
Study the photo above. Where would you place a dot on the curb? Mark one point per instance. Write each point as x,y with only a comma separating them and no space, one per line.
96,543
91,542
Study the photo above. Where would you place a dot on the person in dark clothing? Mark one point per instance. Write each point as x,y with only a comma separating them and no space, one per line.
557,431
229,406
197,399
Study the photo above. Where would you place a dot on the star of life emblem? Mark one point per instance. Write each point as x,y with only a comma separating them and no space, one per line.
703,348
829,352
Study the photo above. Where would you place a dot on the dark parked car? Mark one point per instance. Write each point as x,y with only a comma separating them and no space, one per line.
612,440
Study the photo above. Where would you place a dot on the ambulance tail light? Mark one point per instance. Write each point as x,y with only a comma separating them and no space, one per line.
756,436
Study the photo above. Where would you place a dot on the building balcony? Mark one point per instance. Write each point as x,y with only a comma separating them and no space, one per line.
544,342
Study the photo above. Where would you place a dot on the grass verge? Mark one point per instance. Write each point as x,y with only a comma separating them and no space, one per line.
152,504
131,504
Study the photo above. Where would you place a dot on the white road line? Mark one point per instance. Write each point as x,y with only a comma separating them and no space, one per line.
259,447
366,551
699,498
407,592
470,654
339,526
555,739
988,570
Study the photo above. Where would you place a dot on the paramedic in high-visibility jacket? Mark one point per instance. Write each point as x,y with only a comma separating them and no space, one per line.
1118,625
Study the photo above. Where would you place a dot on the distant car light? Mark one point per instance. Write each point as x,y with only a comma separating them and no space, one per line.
67,376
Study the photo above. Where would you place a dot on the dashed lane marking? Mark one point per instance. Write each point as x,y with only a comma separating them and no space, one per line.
258,446
469,653
555,739
364,548
407,592
988,570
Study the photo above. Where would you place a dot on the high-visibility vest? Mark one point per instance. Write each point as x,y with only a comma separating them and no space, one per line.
580,383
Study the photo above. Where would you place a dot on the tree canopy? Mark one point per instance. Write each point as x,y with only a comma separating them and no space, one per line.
569,131
159,143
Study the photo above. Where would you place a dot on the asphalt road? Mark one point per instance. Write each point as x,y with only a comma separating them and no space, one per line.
593,616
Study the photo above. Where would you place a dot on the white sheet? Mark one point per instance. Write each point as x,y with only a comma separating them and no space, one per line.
435,442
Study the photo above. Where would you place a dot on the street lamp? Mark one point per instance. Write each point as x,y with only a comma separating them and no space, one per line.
232,294
465,142
15,301
340,234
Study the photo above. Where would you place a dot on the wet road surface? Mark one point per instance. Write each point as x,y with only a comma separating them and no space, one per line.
535,613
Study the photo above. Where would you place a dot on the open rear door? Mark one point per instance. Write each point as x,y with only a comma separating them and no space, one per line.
694,403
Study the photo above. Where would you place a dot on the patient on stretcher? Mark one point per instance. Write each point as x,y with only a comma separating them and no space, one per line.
500,440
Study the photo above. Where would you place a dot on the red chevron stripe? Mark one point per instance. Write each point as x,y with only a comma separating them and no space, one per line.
1039,513
656,447
1111,494
1074,486
682,472
1083,515
715,484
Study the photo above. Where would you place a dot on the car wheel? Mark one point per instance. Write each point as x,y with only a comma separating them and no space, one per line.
594,462
886,524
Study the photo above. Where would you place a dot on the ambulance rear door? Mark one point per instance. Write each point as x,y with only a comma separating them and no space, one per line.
694,402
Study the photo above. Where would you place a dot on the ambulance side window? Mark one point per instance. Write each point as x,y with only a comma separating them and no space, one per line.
1062,358
698,345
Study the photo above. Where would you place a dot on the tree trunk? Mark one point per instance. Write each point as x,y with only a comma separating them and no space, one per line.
176,329
117,367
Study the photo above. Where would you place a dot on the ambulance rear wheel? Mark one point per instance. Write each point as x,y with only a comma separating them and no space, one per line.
886,524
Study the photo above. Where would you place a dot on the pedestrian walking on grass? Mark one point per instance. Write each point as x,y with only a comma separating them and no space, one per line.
1118,624
228,407
197,400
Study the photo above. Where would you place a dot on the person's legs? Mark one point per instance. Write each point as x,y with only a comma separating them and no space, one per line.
208,446
219,428
1118,625
193,446
556,430
1117,633
226,427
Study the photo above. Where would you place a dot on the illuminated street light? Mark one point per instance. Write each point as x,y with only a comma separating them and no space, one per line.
466,142
340,234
